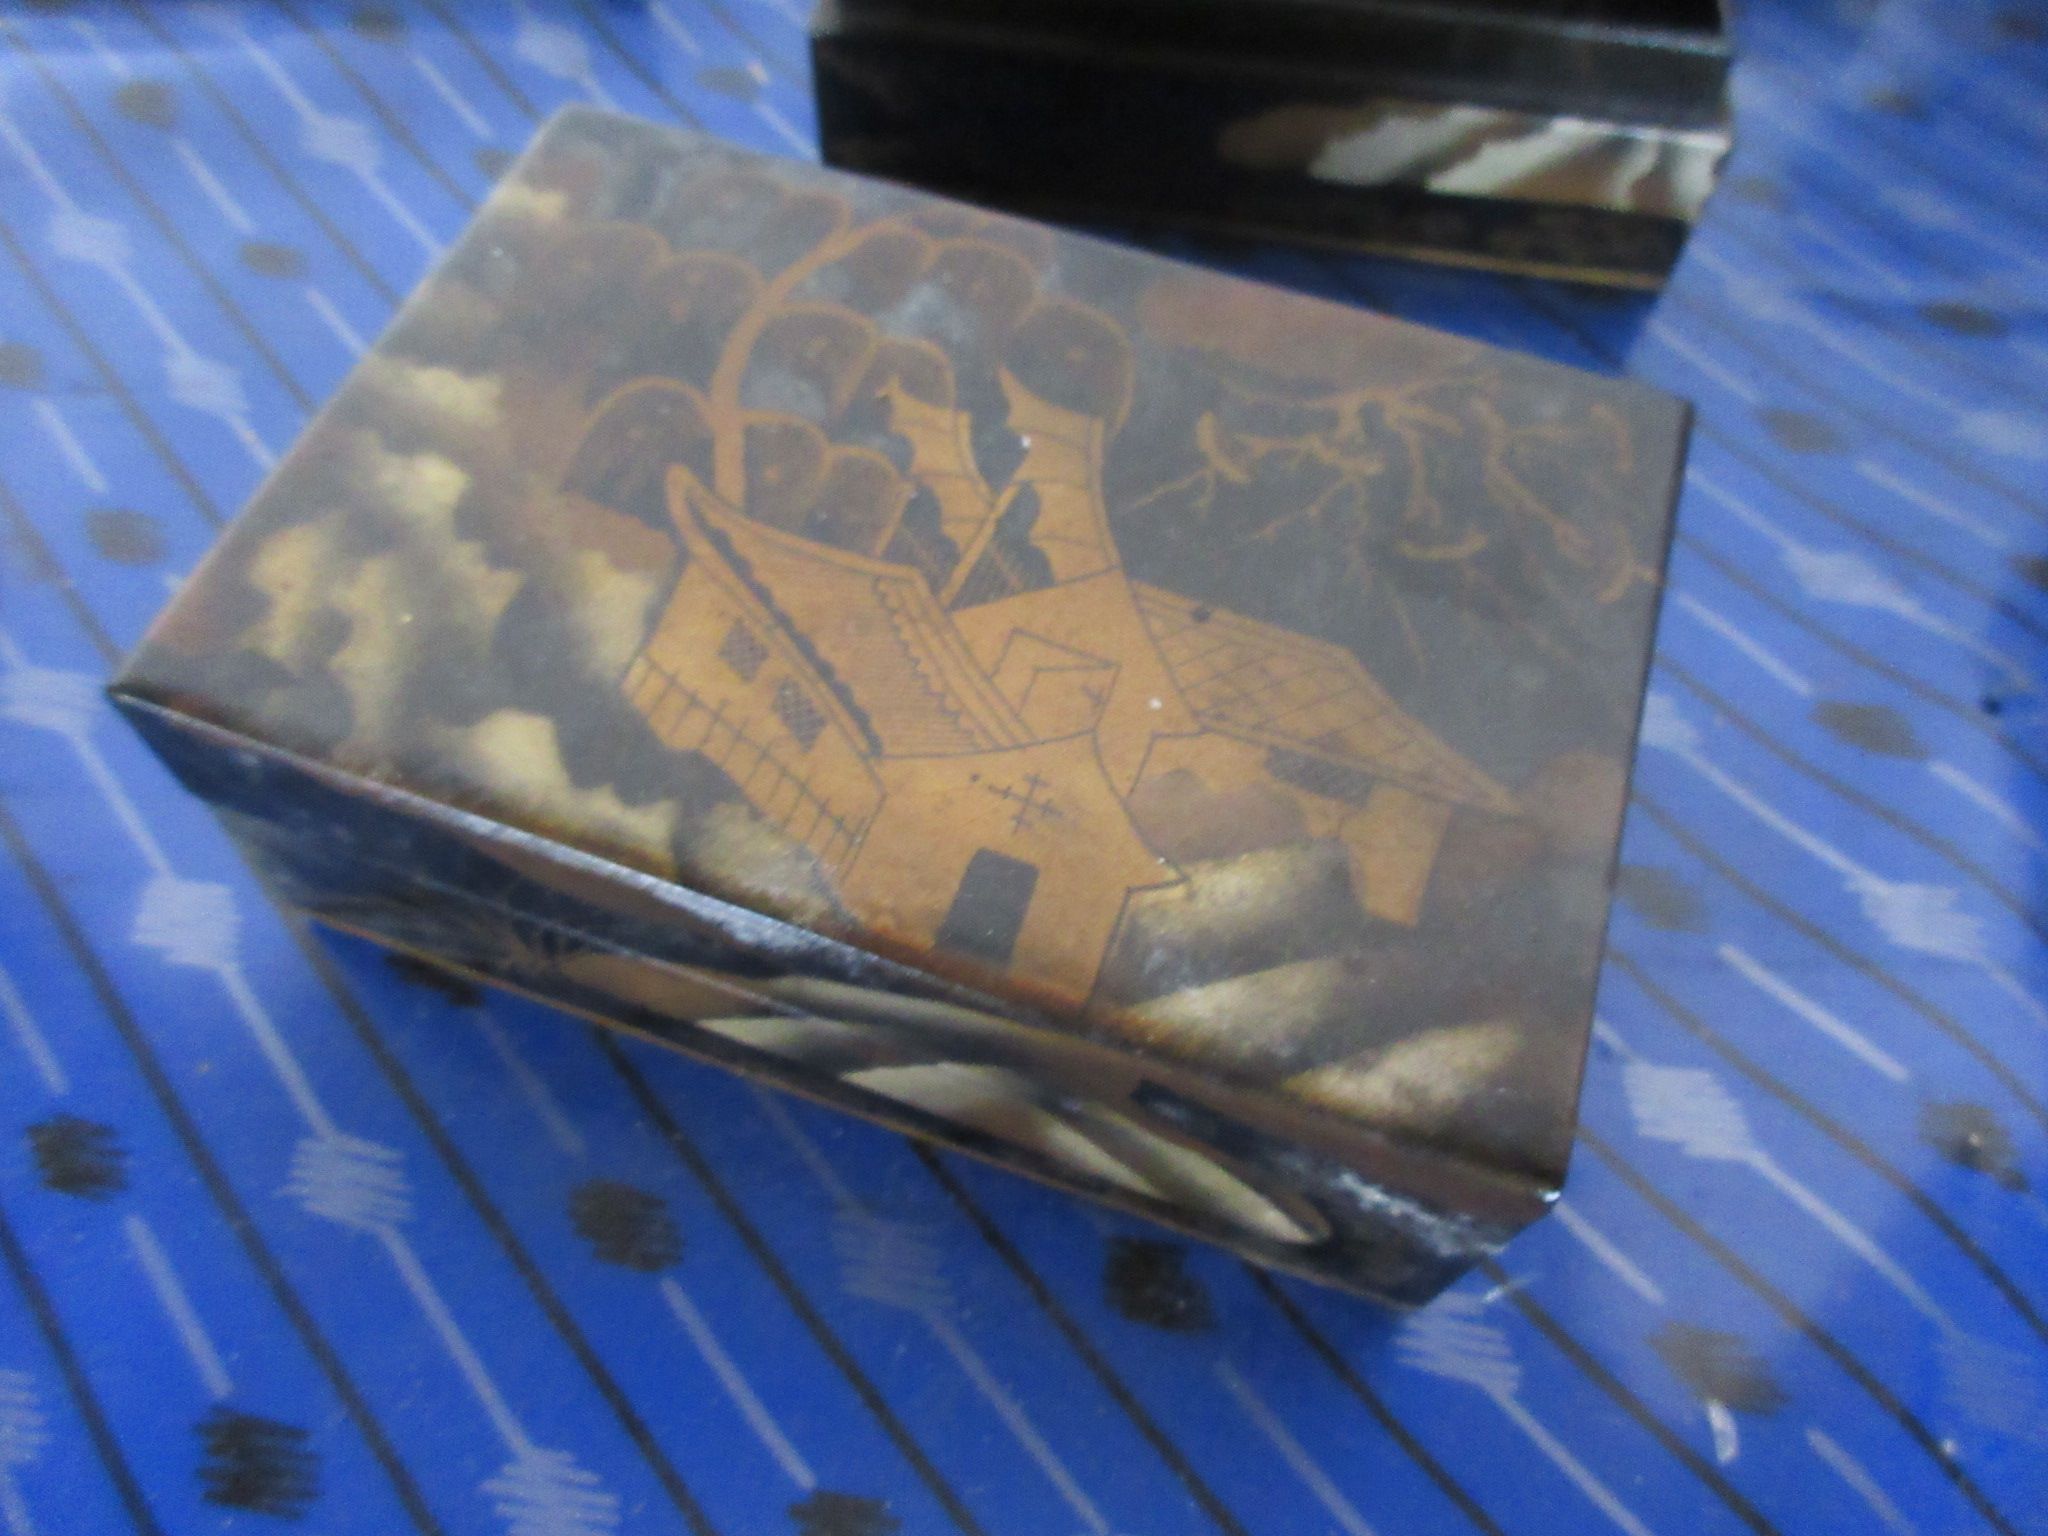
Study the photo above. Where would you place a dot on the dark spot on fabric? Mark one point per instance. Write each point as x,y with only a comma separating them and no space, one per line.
1894,102
257,1464
1874,727
2019,27
1719,1367
78,1157
148,101
1201,613
1970,1136
21,366
492,161
273,260
2032,569
826,1513
125,537
1963,319
626,1226
1143,1279
379,23
1801,432
457,988
1660,898
1760,191
739,84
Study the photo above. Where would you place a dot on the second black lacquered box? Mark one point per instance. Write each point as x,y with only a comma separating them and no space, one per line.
1566,138
1161,734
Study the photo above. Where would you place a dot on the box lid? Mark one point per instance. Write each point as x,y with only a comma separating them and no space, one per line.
1227,677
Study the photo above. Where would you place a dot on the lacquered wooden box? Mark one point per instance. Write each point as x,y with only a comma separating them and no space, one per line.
1565,138
1162,734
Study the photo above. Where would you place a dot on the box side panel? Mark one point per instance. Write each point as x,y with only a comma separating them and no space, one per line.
1247,149
1070,1115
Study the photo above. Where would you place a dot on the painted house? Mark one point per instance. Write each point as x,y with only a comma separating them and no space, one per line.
960,758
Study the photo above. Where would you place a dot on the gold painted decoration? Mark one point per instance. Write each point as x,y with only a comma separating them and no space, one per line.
956,745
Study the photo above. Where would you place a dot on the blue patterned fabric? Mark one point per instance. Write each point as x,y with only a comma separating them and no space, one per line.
291,1239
